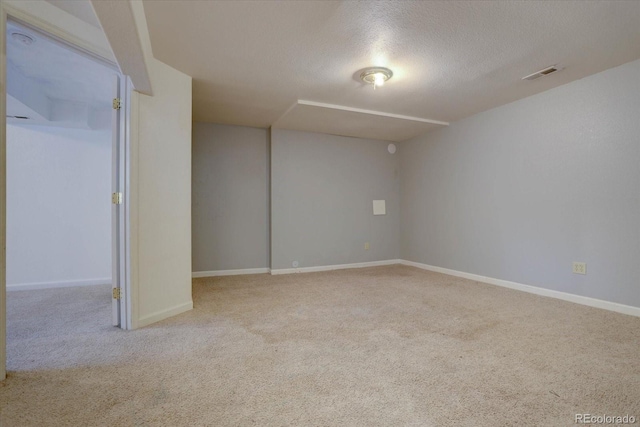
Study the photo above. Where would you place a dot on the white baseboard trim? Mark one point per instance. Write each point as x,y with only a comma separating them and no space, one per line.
578,299
214,273
60,284
164,314
334,267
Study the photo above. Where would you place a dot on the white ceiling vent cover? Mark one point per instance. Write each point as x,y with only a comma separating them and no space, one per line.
543,72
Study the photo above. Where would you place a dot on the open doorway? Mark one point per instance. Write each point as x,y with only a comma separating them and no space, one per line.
65,179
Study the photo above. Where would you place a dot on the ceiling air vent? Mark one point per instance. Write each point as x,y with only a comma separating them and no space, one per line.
19,117
543,72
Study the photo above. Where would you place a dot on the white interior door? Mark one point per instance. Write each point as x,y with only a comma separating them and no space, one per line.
118,310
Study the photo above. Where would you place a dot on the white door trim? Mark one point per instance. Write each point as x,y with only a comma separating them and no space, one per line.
125,235
120,312
3,194
116,202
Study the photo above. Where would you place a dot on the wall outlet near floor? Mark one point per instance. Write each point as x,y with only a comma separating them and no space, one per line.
366,246
580,268
295,264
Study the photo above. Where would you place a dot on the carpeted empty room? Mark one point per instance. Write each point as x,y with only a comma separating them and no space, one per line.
378,346
319,213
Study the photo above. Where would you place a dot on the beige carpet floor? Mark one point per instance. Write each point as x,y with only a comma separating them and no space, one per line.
383,346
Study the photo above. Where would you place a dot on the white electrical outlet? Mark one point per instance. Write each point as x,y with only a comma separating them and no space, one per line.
580,268
366,246
294,264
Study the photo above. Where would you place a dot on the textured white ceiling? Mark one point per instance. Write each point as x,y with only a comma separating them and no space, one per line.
251,60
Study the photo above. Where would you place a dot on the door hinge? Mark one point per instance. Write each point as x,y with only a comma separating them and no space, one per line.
117,103
116,293
116,198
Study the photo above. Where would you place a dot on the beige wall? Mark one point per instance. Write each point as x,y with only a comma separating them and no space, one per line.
160,190
161,197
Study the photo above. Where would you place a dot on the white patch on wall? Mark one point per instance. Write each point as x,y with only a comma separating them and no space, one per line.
379,207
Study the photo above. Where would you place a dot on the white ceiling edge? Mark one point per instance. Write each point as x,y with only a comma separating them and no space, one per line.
63,114
15,107
33,124
311,116
120,27
372,112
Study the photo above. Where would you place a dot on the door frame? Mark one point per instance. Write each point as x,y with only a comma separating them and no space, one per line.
123,162
8,11
119,184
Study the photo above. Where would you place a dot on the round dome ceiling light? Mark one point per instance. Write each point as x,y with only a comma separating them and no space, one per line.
23,38
376,76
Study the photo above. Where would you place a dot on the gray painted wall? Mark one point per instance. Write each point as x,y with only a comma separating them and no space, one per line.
230,205
322,188
521,191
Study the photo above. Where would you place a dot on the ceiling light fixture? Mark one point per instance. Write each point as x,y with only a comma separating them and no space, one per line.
23,38
376,76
